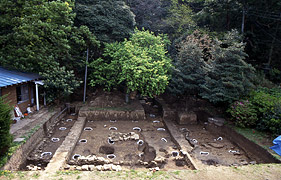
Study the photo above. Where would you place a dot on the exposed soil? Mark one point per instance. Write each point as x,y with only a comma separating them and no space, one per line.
128,152
209,148
44,152
111,100
212,149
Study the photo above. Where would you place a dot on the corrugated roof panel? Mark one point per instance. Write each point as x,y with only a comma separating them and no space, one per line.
8,77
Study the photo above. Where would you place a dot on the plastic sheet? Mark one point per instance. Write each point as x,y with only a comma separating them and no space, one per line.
277,145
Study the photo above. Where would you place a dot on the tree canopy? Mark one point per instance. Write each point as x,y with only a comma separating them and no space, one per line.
139,63
39,35
50,37
109,20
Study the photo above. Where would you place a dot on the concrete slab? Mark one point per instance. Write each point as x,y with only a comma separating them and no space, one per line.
19,139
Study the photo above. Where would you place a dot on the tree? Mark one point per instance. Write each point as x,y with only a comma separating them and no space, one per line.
150,14
109,20
230,76
37,33
260,20
140,63
36,36
5,121
180,19
213,69
59,82
192,64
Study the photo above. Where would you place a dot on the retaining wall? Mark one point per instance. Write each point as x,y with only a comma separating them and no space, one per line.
18,159
120,113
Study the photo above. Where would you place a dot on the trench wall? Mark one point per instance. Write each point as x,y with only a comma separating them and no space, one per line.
252,149
96,113
19,157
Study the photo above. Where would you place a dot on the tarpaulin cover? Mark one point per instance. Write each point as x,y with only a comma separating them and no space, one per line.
277,145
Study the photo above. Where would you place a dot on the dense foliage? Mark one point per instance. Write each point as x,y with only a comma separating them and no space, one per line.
230,76
244,113
262,109
5,121
140,63
261,26
59,82
110,20
36,36
191,65
214,69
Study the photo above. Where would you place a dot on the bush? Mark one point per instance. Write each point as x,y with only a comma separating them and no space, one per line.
265,99
5,121
262,110
243,113
271,121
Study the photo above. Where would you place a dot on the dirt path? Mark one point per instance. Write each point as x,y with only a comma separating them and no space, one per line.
37,118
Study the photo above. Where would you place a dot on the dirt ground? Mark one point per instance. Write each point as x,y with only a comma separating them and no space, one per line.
47,145
212,149
251,172
128,150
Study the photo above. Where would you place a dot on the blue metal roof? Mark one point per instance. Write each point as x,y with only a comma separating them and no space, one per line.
8,77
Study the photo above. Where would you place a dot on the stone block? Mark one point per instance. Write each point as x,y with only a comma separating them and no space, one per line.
216,121
187,118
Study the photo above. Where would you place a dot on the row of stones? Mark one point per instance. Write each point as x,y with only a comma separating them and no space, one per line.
91,159
105,167
117,136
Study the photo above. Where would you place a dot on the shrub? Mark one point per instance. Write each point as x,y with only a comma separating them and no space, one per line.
268,105
271,121
243,113
265,99
5,121
262,110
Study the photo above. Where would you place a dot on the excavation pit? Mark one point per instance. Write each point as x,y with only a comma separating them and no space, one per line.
88,129
83,141
45,150
129,145
62,128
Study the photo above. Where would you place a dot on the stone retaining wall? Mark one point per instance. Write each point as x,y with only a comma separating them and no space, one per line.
112,114
132,111
18,159
167,113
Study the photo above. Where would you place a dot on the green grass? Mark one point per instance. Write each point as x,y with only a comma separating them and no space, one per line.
66,172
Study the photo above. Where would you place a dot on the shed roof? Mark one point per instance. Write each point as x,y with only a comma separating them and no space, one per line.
8,77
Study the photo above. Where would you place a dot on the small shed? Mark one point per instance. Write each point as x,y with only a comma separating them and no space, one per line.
19,88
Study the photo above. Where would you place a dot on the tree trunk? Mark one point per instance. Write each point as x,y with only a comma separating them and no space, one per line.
272,45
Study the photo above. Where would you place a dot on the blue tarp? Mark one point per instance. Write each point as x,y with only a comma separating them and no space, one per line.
277,145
